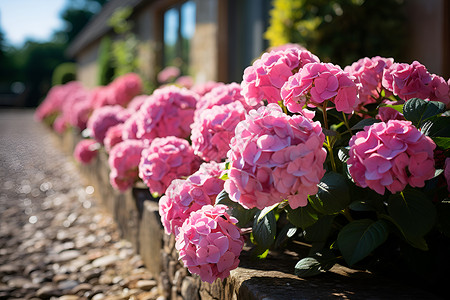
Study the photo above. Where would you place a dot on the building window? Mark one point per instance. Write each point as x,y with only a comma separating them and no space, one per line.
179,28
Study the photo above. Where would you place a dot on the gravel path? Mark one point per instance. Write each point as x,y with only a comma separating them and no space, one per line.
55,243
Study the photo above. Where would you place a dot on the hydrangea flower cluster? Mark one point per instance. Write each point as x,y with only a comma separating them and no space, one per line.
54,101
123,161
318,82
391,155
264,79
274,157
164,160
183,197
86,150
105,117
414,81
209,243
213,129
169,112
113,136
203,88
369,75
221,95
125,88
168,74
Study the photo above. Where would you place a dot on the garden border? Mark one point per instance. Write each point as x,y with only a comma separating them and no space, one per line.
137,217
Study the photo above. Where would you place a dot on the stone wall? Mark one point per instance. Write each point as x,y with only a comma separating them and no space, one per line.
136,214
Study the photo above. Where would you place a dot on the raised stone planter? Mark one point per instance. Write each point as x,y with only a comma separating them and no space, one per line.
136,214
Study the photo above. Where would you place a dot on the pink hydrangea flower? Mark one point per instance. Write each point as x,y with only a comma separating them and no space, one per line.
130,128
407,81
166,159
388,113
86,150
54,101
168,74
169,112
318,82
274,157
185,81
221,95
286,46
209,243
213,129
113,136
203,88
105,117
391,155
136,103
182,197
439,90
79,113
264,79
124,161
60,124
369,74
125,88
102,96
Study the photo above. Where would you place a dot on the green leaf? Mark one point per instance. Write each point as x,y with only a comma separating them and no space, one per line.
266,210
243,215
302,217
359,238
343,154
264,230
313,265
319,231
417,110
443,142
438,127
398,107
285,234
361,206
413,212
333,195
363,123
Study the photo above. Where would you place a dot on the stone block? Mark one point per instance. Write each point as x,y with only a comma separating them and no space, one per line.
151,238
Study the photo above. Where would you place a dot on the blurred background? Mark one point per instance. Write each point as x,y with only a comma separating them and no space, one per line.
51,42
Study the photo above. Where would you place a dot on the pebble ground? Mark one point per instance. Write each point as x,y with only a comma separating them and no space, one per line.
55,242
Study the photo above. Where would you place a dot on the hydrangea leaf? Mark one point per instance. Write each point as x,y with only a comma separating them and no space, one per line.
359,238
243,215
363,123
412,212
333,195
302,217
264,230
417,110
315,264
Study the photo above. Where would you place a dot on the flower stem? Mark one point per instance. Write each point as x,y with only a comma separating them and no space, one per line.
328,141
346,123
330,150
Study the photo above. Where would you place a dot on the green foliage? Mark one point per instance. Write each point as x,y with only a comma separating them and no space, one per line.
418,111
341,31
359,238
64,73
105,62
124,48
333,195
264,229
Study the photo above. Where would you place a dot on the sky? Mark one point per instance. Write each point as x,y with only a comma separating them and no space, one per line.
30,19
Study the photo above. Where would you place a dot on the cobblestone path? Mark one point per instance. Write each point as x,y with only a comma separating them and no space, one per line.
55,243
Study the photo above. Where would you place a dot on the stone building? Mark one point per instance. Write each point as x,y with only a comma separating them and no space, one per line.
224,36
218,31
